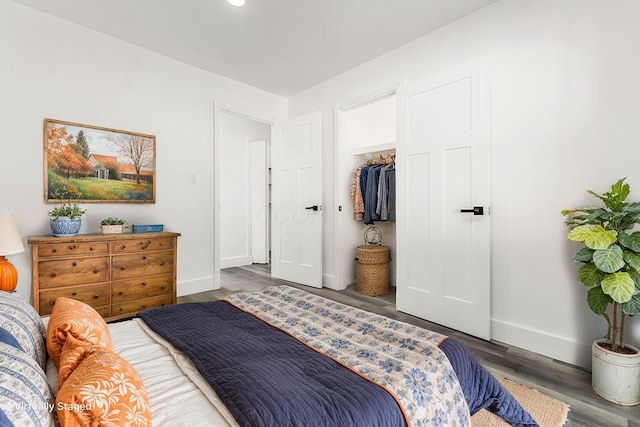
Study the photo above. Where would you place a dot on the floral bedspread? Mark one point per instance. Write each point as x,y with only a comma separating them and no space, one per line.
402,358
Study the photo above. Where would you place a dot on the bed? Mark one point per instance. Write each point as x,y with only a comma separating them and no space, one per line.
280,356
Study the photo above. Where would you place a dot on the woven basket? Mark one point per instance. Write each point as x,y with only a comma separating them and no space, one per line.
372,272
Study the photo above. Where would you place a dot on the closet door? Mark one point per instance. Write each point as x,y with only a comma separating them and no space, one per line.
443,184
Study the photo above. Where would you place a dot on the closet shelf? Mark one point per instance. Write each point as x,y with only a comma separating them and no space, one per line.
374,149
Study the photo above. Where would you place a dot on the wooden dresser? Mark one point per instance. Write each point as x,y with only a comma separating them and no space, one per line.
118,274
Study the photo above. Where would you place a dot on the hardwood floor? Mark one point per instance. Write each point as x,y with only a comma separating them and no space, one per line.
565,382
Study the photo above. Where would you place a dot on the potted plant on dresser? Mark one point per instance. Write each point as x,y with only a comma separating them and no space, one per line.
610,272
112,225
66,219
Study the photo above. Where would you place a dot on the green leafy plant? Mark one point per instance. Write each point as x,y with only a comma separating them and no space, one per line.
611,257
70,210
113,221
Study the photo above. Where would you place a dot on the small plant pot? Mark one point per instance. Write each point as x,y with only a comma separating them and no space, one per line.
616,376
111,229
63,226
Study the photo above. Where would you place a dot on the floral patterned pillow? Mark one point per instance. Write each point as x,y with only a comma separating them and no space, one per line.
104,389
73,353
81,321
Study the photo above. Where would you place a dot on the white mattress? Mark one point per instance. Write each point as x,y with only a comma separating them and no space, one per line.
177,393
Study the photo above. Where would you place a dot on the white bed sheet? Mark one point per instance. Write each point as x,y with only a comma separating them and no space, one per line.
178,395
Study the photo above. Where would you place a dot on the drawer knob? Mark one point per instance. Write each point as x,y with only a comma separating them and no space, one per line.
90,248
120,293
72,247
52,303
162,263
144,283
144,257
96,271
164,287
123,246
122,268
74,263
54,250
96,296
74,294
53,274
144,306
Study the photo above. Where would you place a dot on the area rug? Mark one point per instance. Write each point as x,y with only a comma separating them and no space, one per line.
546,410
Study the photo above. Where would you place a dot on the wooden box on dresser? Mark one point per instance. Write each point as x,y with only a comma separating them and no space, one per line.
117,274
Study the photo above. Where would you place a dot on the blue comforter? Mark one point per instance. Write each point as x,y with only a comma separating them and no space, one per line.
481,389
266,377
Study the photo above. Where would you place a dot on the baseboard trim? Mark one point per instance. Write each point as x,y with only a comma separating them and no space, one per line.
541,342
329,281
238,261
195,286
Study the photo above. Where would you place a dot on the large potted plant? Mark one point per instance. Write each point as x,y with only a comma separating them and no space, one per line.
610,271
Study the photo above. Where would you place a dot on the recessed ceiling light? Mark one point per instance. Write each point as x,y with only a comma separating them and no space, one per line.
236,2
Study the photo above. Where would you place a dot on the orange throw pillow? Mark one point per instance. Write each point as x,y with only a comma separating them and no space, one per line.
73,353
103,390
81,321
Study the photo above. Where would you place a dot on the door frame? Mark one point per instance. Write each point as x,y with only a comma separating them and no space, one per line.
343,208
218,110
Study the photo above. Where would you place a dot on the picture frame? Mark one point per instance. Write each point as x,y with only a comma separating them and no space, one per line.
89,164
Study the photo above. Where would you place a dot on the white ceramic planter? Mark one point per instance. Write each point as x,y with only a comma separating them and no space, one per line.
111,229
616,376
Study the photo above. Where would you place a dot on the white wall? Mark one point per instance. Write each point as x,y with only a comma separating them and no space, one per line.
564,119
56,69
236,133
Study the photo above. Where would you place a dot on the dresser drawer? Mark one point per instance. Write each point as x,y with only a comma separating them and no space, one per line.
94,295
126,290
142,244
73,271
66,249
144,264
134,307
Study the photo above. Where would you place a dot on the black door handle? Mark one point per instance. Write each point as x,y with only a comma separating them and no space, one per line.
477,210
313,208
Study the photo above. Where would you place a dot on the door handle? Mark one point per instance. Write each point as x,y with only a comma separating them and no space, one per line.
476,210
313,208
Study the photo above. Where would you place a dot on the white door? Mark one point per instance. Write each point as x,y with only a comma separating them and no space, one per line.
296,214
443,184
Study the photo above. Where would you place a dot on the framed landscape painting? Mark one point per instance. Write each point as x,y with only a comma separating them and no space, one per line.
86,164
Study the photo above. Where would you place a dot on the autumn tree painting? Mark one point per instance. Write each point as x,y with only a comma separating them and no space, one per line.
94,164
137,148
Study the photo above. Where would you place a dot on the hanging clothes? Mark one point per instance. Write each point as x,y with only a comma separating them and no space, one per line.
386,192
391,200
371,194
373,190
356,195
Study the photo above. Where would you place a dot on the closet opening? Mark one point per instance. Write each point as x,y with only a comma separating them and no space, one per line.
365,135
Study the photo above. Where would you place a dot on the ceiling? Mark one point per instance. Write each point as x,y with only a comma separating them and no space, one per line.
280,46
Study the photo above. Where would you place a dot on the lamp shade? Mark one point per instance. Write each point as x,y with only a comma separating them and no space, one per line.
10,241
